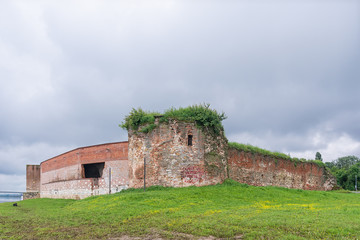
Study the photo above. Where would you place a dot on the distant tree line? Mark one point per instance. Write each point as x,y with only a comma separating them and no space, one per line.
345,169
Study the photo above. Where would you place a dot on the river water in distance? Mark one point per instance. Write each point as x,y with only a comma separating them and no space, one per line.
10,197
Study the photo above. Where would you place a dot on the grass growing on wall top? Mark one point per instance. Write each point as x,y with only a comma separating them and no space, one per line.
224,211
137,118
202,115
256,150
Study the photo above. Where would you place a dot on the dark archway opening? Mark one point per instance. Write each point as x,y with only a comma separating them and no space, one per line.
93,170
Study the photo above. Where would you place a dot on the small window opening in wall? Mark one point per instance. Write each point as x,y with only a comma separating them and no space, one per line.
93,170
190,138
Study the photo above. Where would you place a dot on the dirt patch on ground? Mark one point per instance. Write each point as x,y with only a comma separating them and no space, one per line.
190,237
162,235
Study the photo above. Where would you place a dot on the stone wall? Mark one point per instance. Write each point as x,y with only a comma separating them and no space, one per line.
63,176
170,161
258,170
30,195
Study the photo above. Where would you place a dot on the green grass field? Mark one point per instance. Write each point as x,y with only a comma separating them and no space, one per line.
230,210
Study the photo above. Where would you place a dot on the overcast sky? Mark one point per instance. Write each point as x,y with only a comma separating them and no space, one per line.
286,73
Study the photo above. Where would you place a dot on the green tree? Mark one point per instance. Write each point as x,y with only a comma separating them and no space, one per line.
346,177
318,156
346,162
345,169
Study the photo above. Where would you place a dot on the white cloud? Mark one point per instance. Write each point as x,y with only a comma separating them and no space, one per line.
331,145
28,78
340,146
12,182
13,158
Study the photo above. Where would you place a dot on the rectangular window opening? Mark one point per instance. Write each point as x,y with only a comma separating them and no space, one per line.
190,138
93,170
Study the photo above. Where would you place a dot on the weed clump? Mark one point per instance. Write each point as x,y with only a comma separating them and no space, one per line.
202,115
137,118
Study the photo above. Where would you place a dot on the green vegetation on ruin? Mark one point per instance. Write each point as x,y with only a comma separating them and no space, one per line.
204,117
277,155
229,210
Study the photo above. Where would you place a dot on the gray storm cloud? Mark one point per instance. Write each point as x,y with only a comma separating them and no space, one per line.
285,73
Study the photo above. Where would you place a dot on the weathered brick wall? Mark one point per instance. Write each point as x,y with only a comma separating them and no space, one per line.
32,178
169,159
258,170
63,175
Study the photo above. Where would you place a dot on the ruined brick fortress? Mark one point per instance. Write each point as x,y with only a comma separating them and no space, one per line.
176,153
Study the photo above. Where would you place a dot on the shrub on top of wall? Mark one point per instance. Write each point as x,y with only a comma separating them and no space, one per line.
256,150
137,118
202,115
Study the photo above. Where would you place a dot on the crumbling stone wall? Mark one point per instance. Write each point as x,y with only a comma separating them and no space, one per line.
63,176
170,161
177,154
259,170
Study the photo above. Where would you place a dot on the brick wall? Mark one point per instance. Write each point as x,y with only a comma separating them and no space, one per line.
32,178
90,154
170,161
258,170
63,176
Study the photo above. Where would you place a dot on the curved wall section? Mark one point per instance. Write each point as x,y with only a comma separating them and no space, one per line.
63,176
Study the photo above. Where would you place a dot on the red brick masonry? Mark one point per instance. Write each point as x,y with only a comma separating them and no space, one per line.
258,170
32,178
63,176
171,161
90,154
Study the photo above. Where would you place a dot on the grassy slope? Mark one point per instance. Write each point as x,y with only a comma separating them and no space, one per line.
226,210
